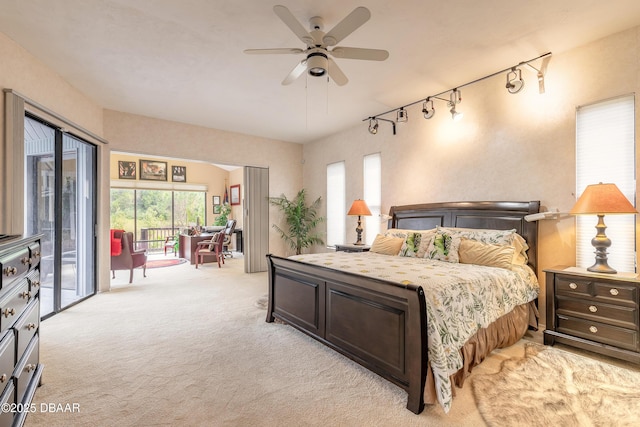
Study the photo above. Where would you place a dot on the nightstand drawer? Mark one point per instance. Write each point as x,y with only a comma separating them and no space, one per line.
616,293
595,331
617,315
573,286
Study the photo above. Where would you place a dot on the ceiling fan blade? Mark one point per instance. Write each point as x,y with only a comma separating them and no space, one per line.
294,25
348,25
360,53
296,72
285,50
336,73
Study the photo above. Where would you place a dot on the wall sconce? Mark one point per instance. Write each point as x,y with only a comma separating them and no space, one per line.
514,80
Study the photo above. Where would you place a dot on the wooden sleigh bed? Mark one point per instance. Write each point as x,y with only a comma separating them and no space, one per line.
379,324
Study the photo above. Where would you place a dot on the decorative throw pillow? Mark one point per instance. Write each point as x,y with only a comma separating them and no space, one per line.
478,253
444,247
520,250
386,245
416,243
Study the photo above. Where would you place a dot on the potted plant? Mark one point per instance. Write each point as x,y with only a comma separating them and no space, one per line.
300,219
225,210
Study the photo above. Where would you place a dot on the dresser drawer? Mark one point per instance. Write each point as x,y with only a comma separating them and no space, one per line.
13,303
572,286
615,293
599,332
7,358
27,326
7,400
26,367
13,266
619,315
35,253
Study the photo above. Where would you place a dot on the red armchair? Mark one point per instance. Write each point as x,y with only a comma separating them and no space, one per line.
127,258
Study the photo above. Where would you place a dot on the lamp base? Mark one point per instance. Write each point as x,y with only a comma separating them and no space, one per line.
601,242
601,266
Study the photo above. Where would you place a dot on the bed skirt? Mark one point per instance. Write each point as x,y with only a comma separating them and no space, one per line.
504,332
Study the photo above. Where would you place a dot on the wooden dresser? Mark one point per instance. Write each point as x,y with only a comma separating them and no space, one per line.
596,312
20,368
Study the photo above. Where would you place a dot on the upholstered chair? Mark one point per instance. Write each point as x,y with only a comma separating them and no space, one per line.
209,248
126,258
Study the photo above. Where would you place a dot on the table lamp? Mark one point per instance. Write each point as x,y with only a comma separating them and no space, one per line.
360,208
600,199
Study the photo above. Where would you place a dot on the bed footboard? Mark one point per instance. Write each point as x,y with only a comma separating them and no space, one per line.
380,325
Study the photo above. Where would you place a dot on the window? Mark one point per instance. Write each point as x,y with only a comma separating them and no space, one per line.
372,195
605,152
155,214
336,209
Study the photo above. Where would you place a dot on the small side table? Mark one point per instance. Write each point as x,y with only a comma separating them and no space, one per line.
350,247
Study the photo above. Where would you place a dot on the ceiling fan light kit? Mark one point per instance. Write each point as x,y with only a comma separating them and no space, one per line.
318,62
514,84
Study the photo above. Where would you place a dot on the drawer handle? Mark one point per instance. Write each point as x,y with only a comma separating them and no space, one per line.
30,367
31,326
35,283
3,378
10,271
593,329
9,312
593,308
613,291
25,295
573,286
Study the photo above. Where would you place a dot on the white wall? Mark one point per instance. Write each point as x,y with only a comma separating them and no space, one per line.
507,147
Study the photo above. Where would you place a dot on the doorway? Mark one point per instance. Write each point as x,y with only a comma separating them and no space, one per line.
60,183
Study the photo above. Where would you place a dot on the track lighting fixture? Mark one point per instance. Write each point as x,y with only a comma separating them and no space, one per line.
373,126
514,84
402,115
427,108
455,98
514,80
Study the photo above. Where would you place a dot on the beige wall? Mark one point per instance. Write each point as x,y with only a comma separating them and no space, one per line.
507,147
198,173
147,136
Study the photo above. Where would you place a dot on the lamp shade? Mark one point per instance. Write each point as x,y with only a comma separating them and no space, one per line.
602,199
359,207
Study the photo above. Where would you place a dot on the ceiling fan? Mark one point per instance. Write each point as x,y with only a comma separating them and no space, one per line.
318,61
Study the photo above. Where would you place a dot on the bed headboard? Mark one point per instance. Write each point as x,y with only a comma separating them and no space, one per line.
491,215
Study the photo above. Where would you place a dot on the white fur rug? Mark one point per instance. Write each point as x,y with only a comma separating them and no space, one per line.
552,387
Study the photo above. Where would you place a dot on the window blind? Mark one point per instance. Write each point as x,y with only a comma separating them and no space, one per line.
372,195
336,210
605,152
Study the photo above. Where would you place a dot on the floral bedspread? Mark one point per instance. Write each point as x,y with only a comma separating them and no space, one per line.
460,299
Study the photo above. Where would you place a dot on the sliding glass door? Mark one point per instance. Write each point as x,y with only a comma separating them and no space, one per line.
61,204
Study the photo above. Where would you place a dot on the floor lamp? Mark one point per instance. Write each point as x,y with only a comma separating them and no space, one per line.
359,208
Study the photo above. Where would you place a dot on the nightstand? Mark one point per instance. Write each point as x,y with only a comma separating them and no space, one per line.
352,248
595,312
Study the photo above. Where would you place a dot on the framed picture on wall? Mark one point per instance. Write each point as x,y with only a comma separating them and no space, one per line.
126,170
179,173
235,194
153,170
216,204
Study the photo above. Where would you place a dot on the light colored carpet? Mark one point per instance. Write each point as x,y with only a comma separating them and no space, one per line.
552,387
187,347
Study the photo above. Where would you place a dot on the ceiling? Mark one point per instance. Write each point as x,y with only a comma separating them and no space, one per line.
184,61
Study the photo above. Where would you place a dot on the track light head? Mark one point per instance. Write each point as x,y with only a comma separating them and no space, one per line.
373,126
402,115
456,115
427,109
514,80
